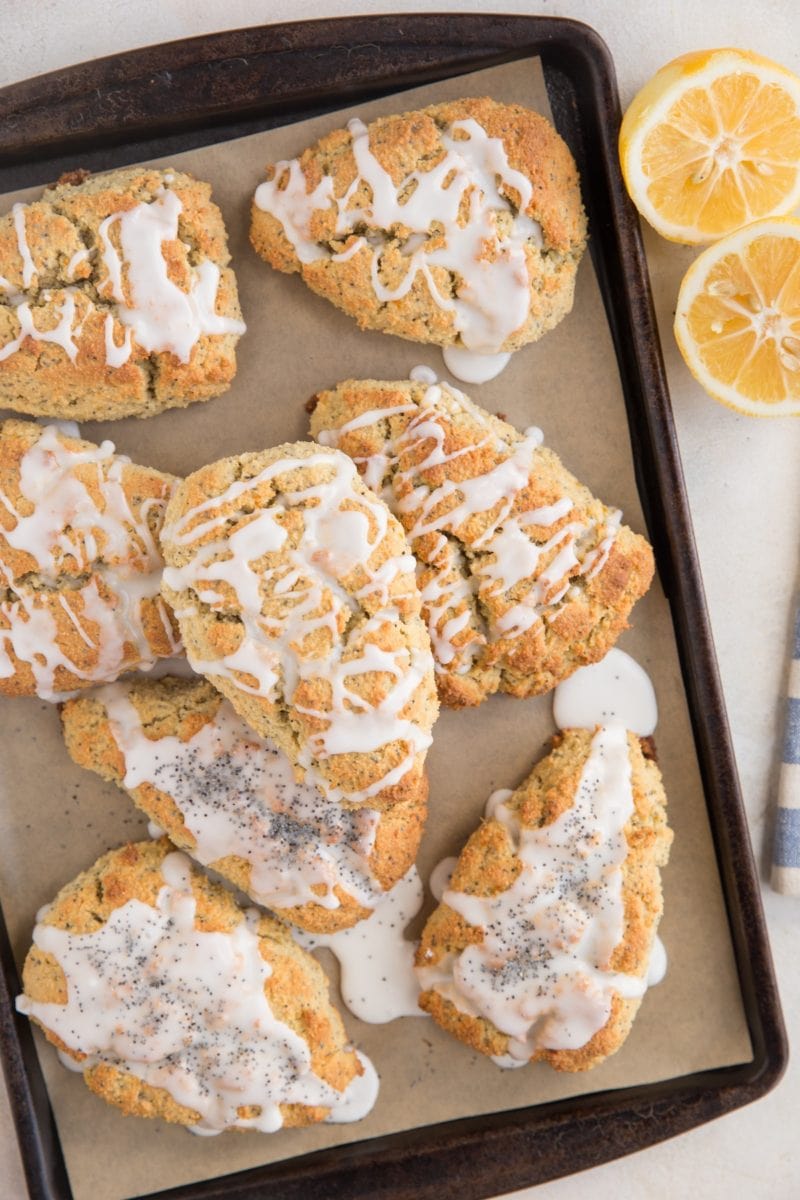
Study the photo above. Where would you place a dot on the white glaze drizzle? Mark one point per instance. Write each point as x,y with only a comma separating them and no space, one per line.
377,981
440,877
657,967
480,236
237,795
61,334
80,256
161,315
422,374
506,555
63,528
615,689
28,265
158,313
342,529
185,1010
542,972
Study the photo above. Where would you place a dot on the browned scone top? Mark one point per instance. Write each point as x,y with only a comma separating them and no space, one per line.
536,973
297,598
344,215
80,565
279,835
296,989
525,575
89,307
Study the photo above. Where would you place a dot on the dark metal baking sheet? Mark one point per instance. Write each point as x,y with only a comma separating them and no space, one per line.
163,99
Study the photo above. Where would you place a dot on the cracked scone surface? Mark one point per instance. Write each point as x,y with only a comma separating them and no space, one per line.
525,575
541,945
116,298
144,882
229,798
80,564
460,224
296,596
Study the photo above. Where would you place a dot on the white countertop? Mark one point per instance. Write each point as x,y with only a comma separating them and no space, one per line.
742,478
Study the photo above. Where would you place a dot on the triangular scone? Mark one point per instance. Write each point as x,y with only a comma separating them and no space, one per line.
524,575
296,596
176,1003
117,297
80,563
229,798
461,224
541,945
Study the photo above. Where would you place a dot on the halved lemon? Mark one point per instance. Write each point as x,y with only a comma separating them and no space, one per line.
737,322
712,143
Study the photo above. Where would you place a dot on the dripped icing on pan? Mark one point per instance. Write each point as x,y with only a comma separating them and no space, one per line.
615,689
342,532
471,367
185,1010
70,528
457,219
377,982
529,559
237,795
542,973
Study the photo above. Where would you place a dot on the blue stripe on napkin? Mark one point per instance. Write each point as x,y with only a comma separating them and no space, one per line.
786,847
787,838
791,737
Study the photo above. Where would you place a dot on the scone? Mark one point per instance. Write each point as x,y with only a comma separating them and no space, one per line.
540,947
229,798
460,224
175,1003
525,575
116,298
296,596
80,565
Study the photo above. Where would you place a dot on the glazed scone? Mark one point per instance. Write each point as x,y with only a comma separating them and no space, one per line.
230,800
525,575
296,596
176,1003
116,298
541,945
461,224
80,564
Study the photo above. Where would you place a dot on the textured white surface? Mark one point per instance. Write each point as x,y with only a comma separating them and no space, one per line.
742,477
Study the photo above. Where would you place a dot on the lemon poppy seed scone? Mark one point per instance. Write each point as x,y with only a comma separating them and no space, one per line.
176,1003
524,575
541,946
296,596
461,224
116,298
229,798
80,564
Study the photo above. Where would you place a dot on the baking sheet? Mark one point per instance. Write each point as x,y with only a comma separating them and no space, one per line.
56,819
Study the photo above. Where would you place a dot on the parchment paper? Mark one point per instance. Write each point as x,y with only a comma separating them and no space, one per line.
56,819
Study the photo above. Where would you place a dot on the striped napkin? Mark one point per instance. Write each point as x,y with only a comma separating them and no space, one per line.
786,850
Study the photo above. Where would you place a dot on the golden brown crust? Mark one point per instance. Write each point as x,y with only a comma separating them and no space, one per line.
62,598
172,707
410,142
213,633
40,378
488,865
586,622
297,989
